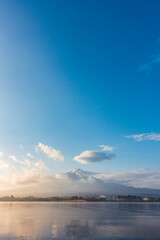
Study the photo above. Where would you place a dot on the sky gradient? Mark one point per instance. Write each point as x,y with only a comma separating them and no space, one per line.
75,75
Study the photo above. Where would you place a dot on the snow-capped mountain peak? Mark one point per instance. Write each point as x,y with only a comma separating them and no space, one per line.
79,174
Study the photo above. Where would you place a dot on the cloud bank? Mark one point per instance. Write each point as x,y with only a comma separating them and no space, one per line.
143,178
92,157
37,181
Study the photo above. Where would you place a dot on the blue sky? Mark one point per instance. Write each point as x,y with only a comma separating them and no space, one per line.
78,74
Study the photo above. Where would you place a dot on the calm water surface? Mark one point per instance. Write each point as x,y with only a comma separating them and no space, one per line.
63,221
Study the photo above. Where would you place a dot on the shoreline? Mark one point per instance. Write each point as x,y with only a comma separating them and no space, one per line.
78,201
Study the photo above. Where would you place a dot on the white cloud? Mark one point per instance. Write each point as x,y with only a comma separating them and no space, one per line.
14,158
92,157
29,155
61,176
145,136
107,148
4,165
50,151
1,154
40,164
28,177
25,162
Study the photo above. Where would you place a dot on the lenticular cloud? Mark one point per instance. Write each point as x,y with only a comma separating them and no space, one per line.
92,157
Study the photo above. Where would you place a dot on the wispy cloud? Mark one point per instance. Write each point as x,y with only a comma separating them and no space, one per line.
145,136
92,157
50,151
152,60
29,155
107,148
24,162
27,162
15,159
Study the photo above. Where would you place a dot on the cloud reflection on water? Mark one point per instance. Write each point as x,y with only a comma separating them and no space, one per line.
63,221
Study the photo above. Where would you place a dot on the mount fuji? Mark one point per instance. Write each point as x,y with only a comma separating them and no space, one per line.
91,183
79,174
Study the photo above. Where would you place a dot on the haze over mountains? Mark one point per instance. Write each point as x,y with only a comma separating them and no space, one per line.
40,182
101,183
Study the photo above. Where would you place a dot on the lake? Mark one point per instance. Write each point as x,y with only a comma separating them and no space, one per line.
86,220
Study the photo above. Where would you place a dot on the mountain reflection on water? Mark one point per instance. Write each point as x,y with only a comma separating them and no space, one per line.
63,221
